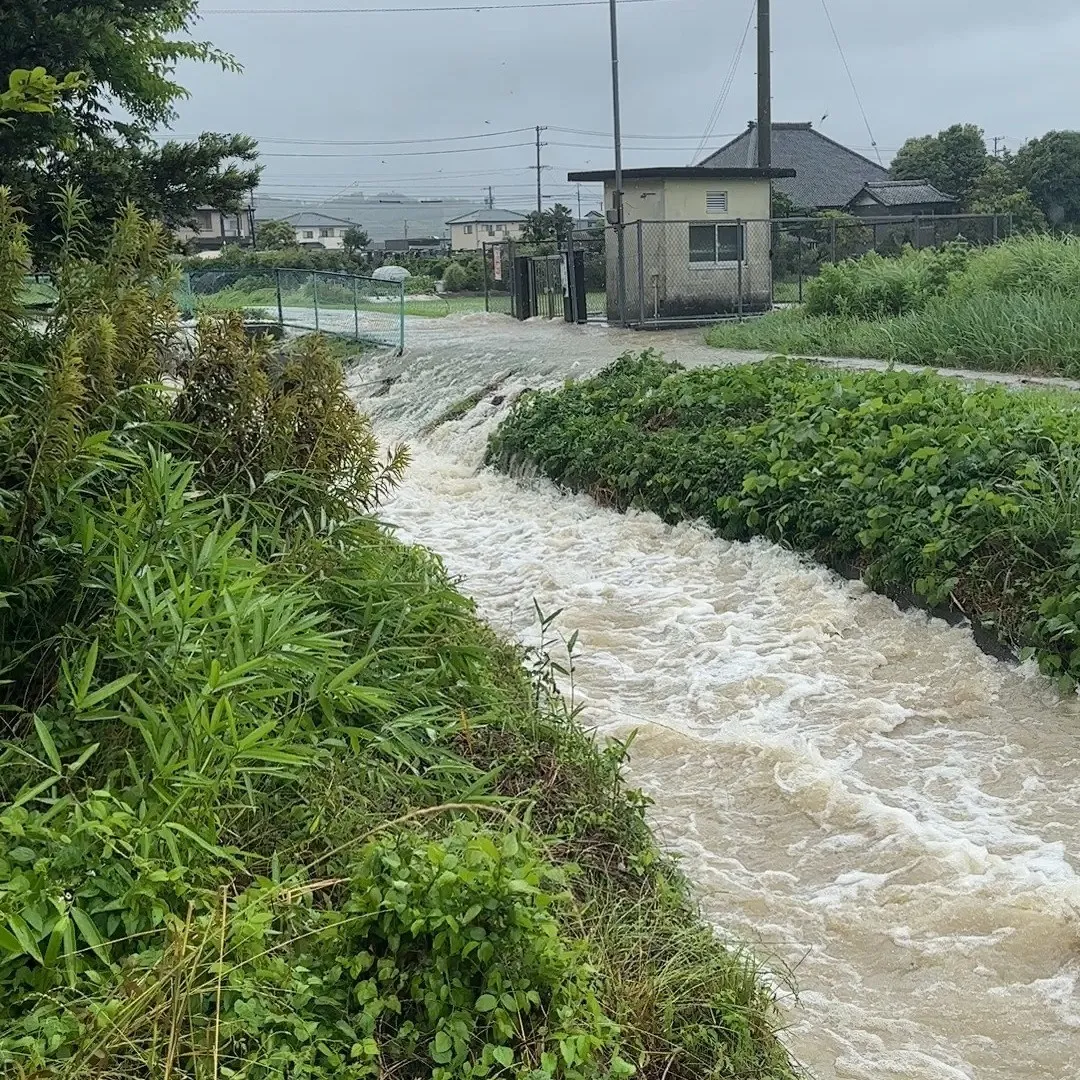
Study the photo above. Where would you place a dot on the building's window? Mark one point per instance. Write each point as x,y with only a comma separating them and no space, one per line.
716,202
204,220
326,232
342,232
468,230
716,244
308,234
491,230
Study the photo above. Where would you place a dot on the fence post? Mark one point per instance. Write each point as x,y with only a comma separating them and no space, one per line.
401,317
355,311
832,234
800,268
487,298
571,276
277,287
641,271
740,252
315,297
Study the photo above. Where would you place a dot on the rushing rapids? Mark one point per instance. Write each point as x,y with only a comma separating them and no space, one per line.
860,793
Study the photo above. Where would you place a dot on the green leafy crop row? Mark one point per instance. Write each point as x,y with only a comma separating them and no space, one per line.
273,801
963,497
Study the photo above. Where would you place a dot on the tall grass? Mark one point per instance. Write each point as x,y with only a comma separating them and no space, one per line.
273,801
1003,308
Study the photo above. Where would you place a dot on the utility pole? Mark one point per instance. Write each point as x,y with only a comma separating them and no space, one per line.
539,170
617,209
251,219
406,223
764,86
579,202
490,199
998,139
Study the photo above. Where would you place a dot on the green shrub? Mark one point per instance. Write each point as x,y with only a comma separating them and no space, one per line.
954,495
419,284
455,278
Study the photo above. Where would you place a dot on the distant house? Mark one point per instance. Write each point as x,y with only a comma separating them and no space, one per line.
829,176
471,231
594,219
315,230
901,198
704,242
214,229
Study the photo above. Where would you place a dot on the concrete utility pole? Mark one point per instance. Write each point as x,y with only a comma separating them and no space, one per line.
764,85
539,171
490,199
579,202
617,209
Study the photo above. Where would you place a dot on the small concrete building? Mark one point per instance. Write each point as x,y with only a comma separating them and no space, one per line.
697,240
471,231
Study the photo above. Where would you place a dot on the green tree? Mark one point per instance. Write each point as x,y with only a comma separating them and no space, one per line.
35,91
542,226
355,239
1050,169
953,161
999,192
99,136
562,221
275,235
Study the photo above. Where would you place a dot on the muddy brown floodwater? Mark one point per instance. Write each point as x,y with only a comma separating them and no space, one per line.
860,792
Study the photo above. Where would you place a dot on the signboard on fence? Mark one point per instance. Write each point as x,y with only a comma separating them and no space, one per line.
497,262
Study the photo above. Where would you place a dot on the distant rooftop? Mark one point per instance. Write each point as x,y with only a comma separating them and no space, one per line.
905,192
484,216
309,219
827,174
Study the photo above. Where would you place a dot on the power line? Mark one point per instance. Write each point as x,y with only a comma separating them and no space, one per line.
607,134
368,142
397,153
423,10
851,79
725,88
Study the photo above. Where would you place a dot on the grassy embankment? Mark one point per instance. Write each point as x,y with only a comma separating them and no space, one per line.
274,801
931,491
1011,307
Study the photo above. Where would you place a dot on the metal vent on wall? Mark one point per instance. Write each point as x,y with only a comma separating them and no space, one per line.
716,202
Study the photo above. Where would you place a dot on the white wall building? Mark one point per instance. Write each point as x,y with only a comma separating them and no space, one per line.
471,231
316,230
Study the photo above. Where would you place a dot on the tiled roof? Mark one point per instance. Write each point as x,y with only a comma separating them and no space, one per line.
906,192
308,219
827,174
487,217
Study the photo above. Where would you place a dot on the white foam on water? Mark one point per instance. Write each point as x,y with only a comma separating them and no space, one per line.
859,791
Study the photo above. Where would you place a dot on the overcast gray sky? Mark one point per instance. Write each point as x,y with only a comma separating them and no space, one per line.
919,65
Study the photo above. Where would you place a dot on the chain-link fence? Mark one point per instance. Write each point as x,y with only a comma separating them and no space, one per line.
801,246
690,271
349,305
683,272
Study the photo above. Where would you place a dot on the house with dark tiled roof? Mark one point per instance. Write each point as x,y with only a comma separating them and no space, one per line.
901,198
829,176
